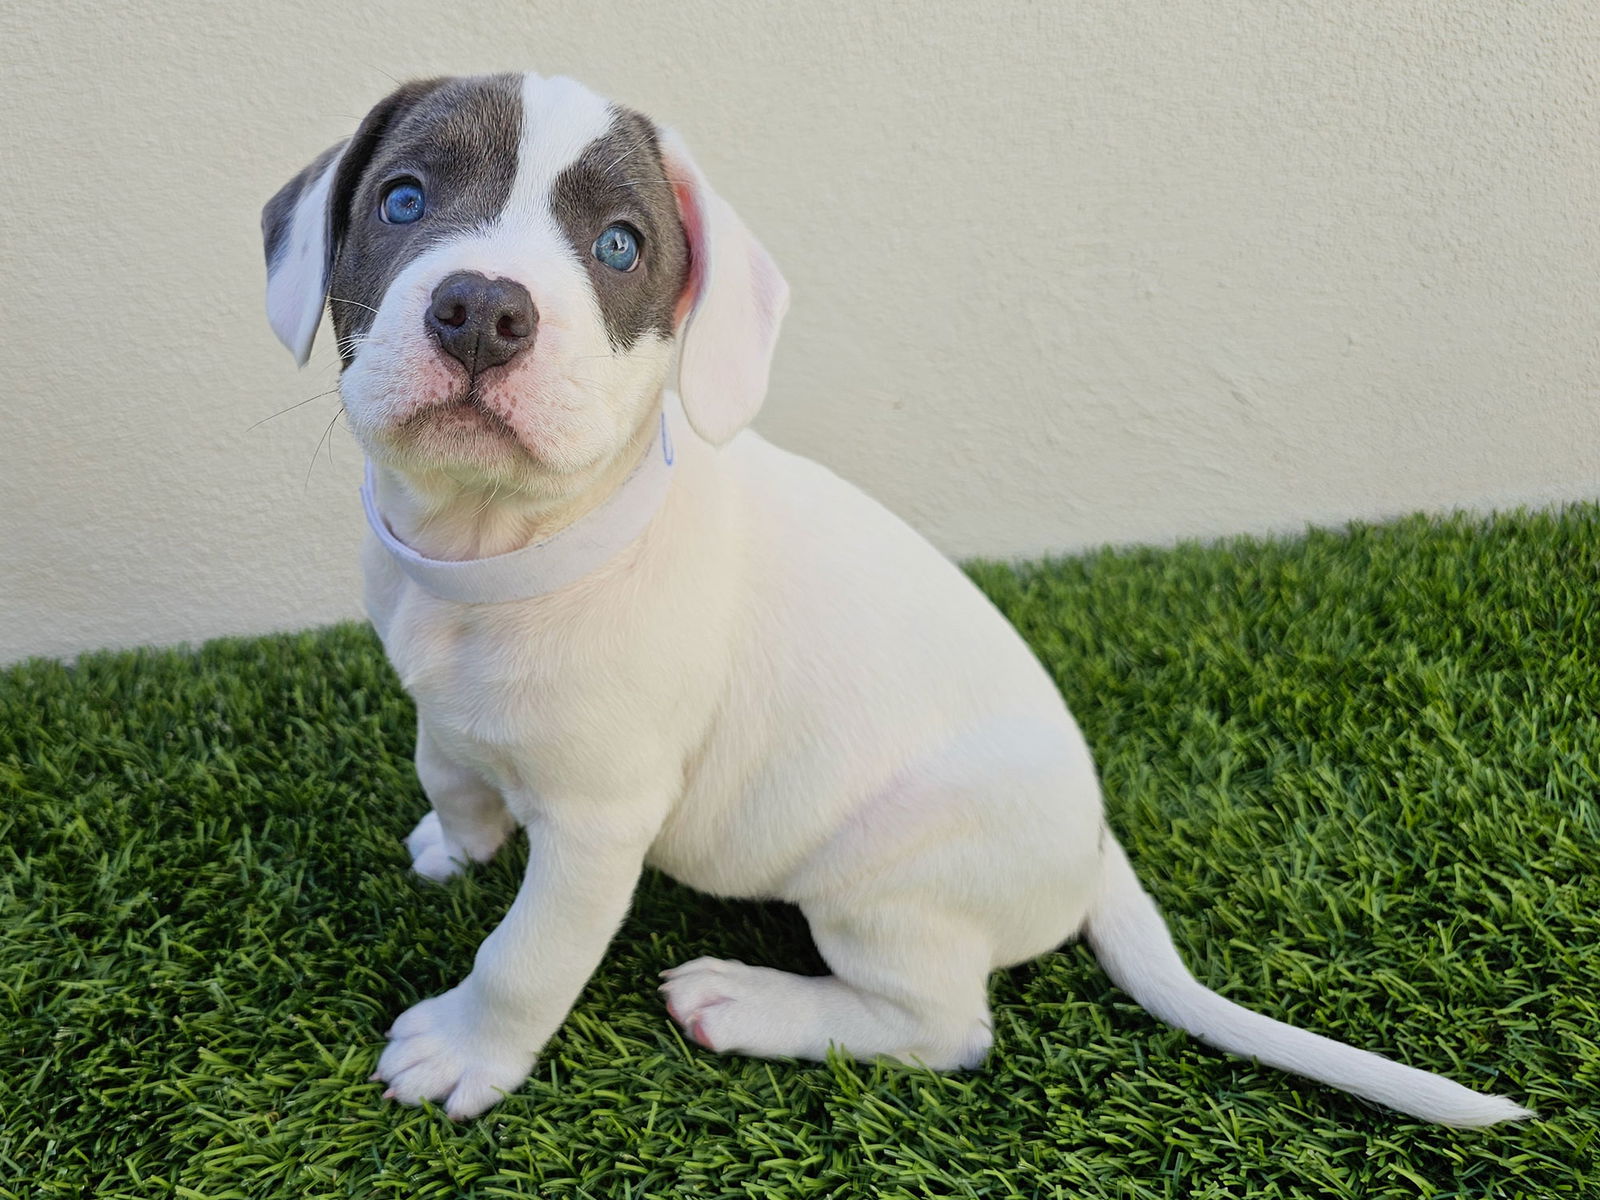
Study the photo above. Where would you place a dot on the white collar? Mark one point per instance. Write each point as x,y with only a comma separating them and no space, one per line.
562,558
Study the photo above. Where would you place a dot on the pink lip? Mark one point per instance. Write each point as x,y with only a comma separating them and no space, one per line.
465,413
451,414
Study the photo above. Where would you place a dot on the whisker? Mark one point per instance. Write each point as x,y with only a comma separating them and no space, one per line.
631,150
493,495
351,342
326,431
292,407
357,303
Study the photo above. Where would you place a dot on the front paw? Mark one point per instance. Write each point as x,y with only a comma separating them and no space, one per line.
447,1049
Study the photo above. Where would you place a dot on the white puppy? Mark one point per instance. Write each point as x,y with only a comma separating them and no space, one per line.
648,637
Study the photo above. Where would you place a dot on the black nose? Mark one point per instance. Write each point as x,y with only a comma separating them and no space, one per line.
481,322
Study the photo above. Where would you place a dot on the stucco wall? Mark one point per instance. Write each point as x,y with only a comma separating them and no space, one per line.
1064,273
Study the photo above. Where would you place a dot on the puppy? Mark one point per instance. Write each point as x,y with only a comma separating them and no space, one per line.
648,637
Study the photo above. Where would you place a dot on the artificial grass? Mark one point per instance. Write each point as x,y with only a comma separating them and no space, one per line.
1358,769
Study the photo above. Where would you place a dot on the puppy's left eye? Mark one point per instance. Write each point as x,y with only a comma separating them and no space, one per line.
618,248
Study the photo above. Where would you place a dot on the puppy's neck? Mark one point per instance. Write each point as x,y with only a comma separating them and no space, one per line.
444,520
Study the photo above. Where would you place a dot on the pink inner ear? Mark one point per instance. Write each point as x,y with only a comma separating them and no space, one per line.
694,234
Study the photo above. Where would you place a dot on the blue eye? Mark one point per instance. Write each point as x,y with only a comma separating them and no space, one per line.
403,203
618,248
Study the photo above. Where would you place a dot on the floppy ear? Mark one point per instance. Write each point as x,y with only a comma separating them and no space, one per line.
735,299
294,225
304,223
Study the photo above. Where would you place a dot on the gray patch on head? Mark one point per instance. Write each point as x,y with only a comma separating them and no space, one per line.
619,178
458,138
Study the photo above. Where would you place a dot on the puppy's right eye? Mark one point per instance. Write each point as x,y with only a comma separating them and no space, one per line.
402,202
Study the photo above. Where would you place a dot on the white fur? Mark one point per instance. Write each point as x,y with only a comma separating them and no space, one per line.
780,690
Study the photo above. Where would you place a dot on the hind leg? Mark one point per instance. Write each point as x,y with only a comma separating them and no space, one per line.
908,983
966,860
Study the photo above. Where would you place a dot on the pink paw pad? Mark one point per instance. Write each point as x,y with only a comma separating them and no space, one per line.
697,1026
694,1024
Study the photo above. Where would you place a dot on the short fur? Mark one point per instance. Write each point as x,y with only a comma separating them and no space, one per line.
778,690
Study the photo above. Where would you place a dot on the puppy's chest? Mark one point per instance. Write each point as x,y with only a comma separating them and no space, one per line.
538,701
487,682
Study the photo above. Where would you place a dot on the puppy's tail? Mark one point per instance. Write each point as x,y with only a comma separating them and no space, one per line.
1132,943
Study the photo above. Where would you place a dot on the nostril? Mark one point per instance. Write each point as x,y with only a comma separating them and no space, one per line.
453,315
511,325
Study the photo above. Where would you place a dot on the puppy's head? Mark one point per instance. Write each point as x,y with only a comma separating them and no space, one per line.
513,266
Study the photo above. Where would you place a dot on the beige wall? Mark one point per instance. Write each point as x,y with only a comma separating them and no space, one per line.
1064,273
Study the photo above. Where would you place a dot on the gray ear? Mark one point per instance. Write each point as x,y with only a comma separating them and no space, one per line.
304,223
295,227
